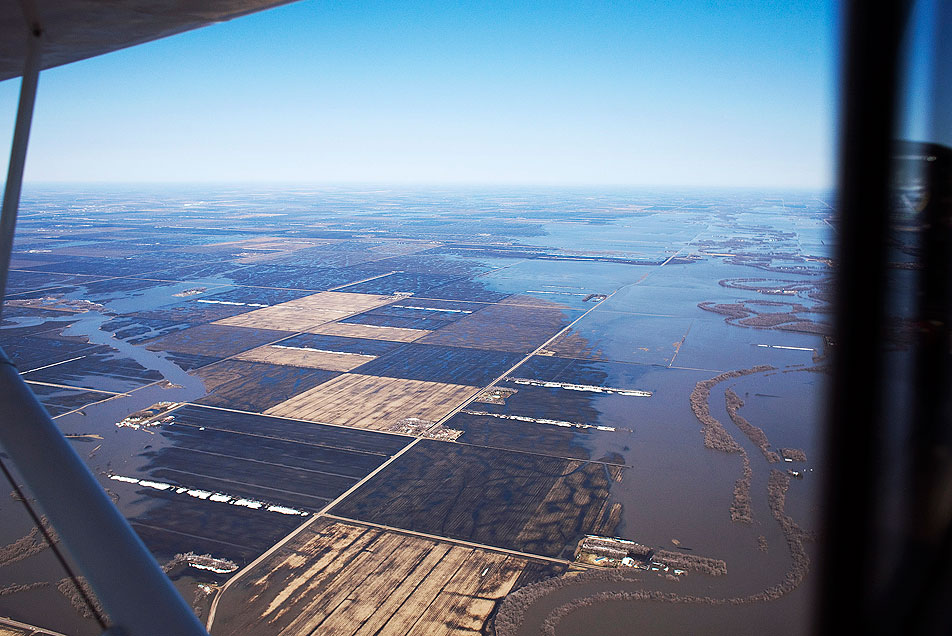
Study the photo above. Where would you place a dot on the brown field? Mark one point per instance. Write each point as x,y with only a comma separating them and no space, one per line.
7,630
371,332
305,357
347,579
366,401
304,314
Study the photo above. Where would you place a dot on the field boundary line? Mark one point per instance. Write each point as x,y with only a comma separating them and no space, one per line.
80,408
79,388
134,523
55,364
258,461
285,439
538,454
369,476
244,483
366,280
295,419
462,542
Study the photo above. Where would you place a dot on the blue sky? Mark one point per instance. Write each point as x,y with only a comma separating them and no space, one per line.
576,93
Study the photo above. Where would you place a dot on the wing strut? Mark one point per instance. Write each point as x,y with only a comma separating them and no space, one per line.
137,595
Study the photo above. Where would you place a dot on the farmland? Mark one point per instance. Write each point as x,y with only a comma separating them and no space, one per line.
390,412
212,485
288,355
214,340
367,401
510,325
435,363
257,386
303,314
345,578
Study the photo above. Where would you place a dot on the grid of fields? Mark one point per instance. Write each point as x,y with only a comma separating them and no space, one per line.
231,484
207,452
442,395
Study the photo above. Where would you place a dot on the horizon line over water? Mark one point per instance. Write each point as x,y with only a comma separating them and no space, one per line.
430,186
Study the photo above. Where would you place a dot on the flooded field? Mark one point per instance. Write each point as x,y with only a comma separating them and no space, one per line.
529,503
416,405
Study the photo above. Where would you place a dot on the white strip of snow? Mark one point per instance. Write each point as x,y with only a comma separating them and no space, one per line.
560,293
217,497
580,387
339,353
286,511
523,418
229,302
213,569
448,311
155,484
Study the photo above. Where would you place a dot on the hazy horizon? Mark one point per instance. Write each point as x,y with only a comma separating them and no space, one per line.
428,185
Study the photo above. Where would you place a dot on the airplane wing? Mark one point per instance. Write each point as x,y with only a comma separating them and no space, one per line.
79,29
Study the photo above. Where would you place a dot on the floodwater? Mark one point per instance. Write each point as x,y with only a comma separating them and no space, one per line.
607,287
